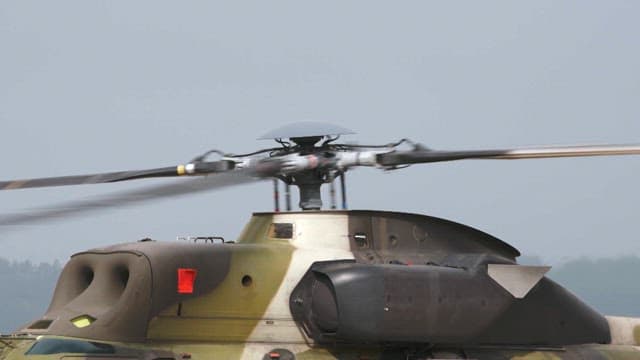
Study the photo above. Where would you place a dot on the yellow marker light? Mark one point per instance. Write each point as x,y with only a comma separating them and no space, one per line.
181,170
82,321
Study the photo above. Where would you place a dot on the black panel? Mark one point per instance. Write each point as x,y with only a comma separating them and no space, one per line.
382,237
549,315
324,309
350,302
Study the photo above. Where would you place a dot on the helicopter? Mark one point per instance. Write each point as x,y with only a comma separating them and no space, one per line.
312,283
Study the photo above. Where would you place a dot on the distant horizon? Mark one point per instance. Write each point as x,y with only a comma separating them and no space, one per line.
522,260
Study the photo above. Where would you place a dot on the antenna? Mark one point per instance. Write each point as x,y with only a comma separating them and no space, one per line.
287,196
276,196
332,194
343,190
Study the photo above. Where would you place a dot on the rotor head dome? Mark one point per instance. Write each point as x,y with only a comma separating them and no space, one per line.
305,129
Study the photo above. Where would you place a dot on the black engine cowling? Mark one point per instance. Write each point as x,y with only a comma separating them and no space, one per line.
345,301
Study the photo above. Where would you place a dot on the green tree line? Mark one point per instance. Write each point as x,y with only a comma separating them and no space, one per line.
26,291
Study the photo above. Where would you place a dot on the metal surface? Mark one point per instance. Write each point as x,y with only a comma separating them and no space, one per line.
201,168
127,198
518,280
312,284
305,129
427,156
307,165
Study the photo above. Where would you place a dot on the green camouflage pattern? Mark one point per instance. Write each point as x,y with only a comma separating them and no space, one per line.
15,349
250,319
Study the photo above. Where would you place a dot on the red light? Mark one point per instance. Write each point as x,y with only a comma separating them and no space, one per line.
186,278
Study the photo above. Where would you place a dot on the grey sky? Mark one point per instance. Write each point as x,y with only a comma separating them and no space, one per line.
100,86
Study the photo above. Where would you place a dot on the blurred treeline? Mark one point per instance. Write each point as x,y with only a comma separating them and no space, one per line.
609,285
25,291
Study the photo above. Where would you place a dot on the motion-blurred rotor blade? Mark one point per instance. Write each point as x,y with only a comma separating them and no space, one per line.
422,155
198,168
132,197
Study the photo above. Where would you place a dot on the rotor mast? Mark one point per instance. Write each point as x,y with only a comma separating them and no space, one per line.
308,182
306,136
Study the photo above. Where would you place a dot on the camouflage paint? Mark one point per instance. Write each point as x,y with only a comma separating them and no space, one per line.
624,330
315,237
246,322
234,308
14,348
237,351
537,355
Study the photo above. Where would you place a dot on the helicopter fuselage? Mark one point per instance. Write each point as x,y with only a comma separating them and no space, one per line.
319,285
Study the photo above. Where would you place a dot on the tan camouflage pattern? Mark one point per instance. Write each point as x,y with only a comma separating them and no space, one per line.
624,330
240,321
15,349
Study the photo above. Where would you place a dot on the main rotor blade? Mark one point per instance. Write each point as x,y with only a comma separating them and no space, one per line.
419,155
169,171
132,197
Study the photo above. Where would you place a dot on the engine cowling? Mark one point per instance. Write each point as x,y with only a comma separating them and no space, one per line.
345,301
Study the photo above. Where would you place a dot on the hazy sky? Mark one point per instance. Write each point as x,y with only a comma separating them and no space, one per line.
91,86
